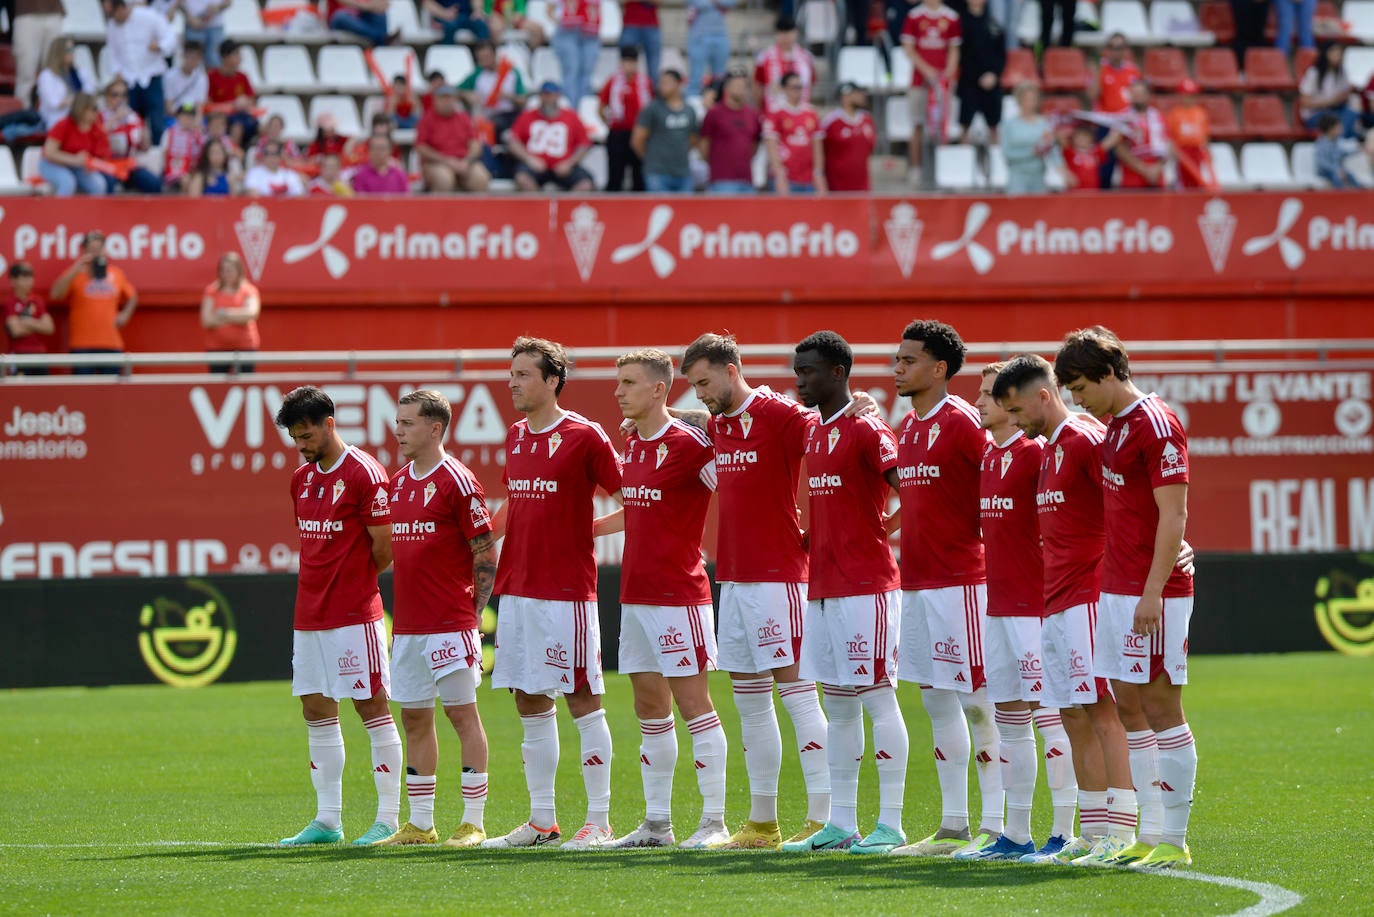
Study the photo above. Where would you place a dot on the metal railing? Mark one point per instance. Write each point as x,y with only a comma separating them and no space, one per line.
599,362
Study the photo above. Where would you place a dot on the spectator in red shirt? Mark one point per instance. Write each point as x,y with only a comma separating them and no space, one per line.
450,150
1142,143
69,148
330,182
1083,158
182,145
128,139
624,94
931,37
848,138
729,138
784,56
548,144
1110,89
639,30
327,137
27,321
232,93
792,132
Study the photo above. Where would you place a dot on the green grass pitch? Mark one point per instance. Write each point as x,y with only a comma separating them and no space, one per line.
148,800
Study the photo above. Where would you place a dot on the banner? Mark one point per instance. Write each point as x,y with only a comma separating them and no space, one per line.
456,249
148,478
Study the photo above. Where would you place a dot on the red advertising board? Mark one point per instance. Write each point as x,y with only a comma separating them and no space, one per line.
465,249
148,477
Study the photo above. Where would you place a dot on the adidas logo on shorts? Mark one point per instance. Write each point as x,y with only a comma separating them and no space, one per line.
1136,669
861,670
358,685
959,677
1082,688
780,654
684,662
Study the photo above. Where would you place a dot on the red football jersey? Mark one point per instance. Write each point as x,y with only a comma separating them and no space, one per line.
847,143
932,34
667,481
1068,501
938,459
794,129
846,460
432,520
1011,535
758,463
1145,448
337,585
1086,167
550,477
551,139
771,65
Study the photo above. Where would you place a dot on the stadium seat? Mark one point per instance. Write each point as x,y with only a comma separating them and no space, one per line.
864,67
28,169
597,165
243,22
1175,22
1216,70
84,20
899,79
248,65
1165,102
1020,69
1028,28
518,55
83,60
1215,16
10,182
611,24
1305,57
1221,117
291,111
1358,15
343,108
1124,16
541,13
997,169
1305,166
104,66
1265,117
589,111
1065,69
287,68
544,66
453,61
392,61
956,168
1060,105
7,68
1165,69
342,68
401,16
1265,165
1359,66
1225,168
898,119
820,23
1266,70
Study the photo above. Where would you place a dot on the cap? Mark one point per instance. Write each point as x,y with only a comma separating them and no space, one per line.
446,90
549,86
1188,87
847,87
186,108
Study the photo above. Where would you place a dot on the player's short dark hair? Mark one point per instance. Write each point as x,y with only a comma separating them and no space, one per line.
1091,353
433,406
1022,372
834,349
941,341
658,363
306,404
552,358
718,349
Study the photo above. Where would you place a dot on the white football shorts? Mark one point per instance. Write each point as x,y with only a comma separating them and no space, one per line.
545,646
760,626
1130,657
852,640
1012,659
419,662
672,640
343,663
1067,645
942,637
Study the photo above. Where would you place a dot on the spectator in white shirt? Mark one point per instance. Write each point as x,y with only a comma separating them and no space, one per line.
140,41
205,24
187,84
59,81
271,178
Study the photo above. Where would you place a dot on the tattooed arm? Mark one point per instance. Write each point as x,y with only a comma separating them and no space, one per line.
698,418
483,569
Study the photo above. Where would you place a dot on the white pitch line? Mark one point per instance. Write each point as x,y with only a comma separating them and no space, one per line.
1273,899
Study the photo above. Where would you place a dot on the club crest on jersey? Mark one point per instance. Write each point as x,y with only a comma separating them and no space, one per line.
932,435
745,422
554,442
1058,458
339,488
1121,437
660,455
430,490
477,512
833,440
1006,462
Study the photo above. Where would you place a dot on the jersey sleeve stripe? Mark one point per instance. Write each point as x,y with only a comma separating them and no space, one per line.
697,434
578,418
966,409
374,468
1158,421
462,478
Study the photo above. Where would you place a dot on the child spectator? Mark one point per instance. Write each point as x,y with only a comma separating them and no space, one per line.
327,137
217,128
1083,158
27,321
183,144
272,130
188,83
624,94
215,173
400,104
231,91
1329,154
330,182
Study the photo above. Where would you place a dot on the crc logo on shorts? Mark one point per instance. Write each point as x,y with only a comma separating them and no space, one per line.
672,641
1133,645
1078,667
188,639
770,633
350,664
948,650
556,656
1030,665
857,647
445,654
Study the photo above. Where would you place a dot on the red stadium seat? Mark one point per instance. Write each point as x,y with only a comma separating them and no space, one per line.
1166,103
1329,26
1020,69
1216,70
1265,117
1215,16
1060,105
7,68
1165,68
1302,59
1266,70
9,105
1066,70
1221,117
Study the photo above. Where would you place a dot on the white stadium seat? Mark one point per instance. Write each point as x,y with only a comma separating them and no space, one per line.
243,21
589,111
345,112
820,22
1265,165
402,16
1359,66
1305,166
1175,22
28,169
1124,16
541,13
864,67
248,65
341,68
83,60
392,59
292,113
544,66
1359,16
955,168
287,68
898,119
84,20
597,166
1225,167
453,61
10,182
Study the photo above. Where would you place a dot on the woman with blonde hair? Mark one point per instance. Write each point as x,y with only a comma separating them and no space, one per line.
229,313
59,81
69,148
